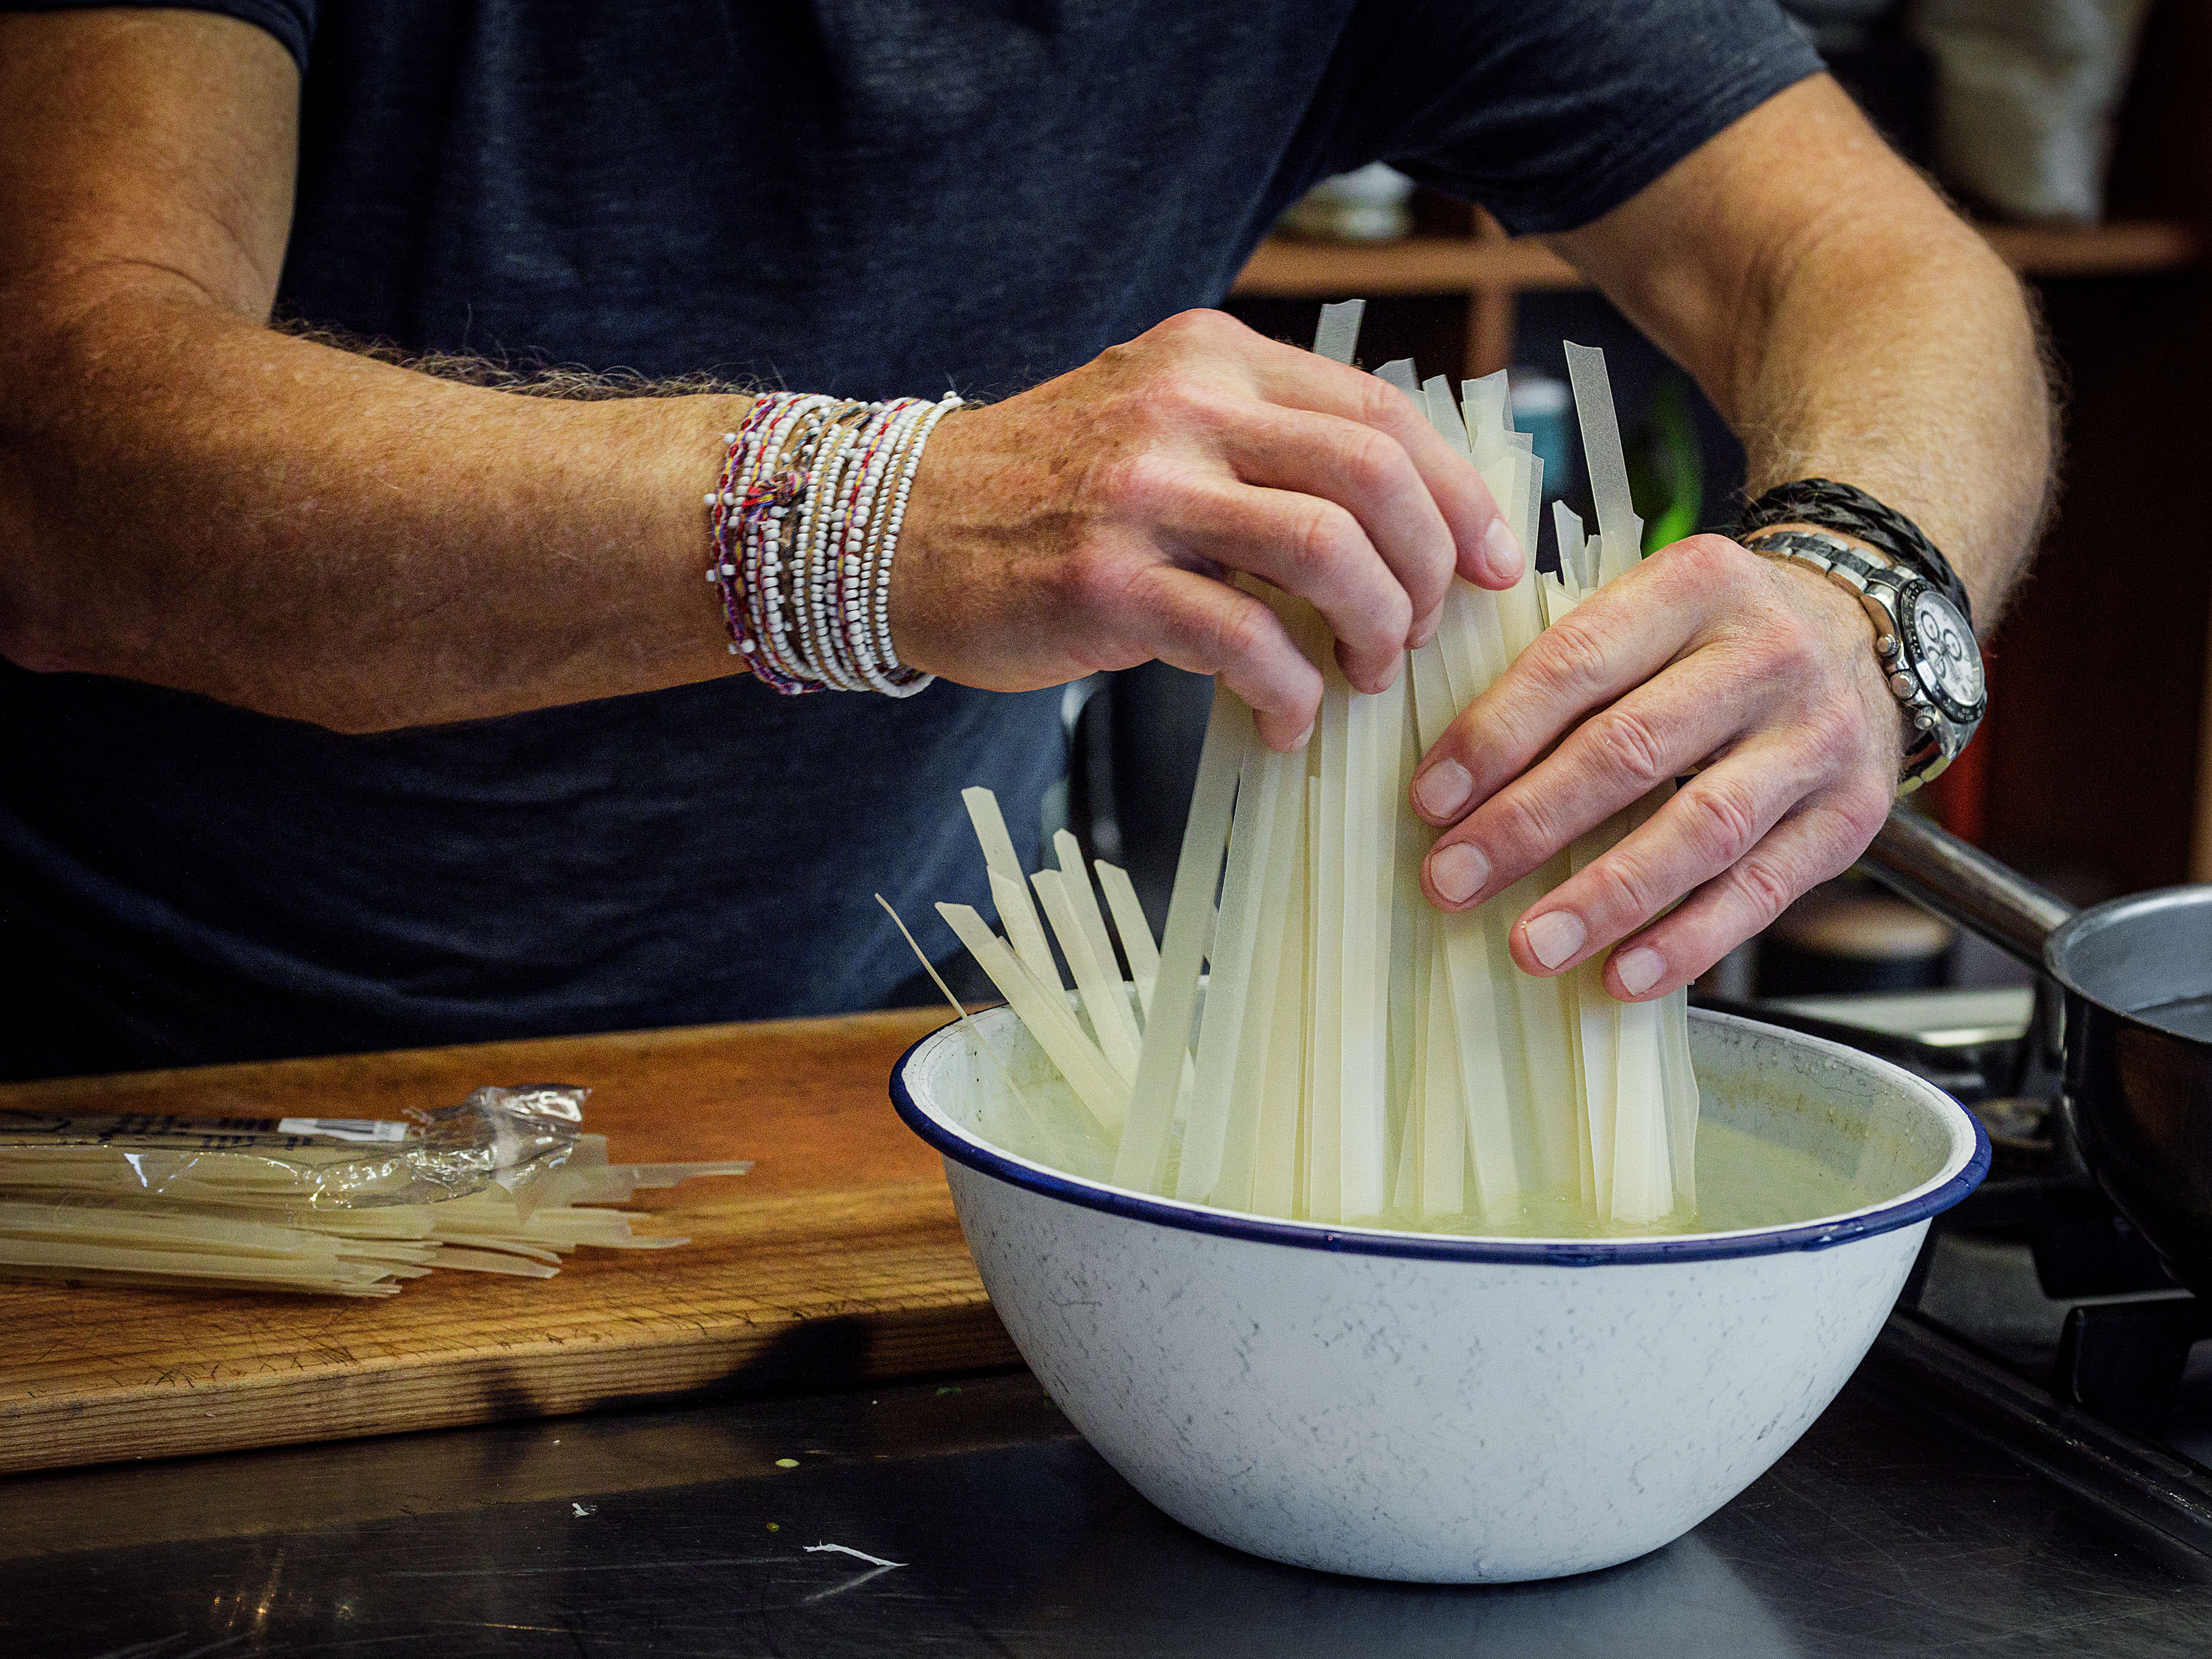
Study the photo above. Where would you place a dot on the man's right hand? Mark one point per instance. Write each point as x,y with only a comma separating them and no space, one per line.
1096,521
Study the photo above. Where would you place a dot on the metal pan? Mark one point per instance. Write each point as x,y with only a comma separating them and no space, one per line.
2137,976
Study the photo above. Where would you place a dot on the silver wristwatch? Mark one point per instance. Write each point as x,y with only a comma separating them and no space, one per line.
1926,647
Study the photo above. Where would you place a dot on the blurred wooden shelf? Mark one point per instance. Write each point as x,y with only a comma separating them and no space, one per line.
2134,248
1291,268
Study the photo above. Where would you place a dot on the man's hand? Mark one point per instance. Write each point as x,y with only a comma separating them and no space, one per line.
1093,523
1760,677
1849,325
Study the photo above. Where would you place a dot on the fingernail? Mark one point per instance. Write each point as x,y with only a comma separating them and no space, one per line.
1458,871
1424,630
1504,550
1555,936
1638,970
1304,737
1442,789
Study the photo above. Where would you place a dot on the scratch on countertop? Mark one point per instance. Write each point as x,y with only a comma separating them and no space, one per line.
858,1555
852,1583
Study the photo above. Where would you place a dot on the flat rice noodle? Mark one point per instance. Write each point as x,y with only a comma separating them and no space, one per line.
1325,1077
1491,1103
1623,531
1409,913
1278,957
1142,1159
494,1261
967,1020
1100,988
1134,932
1024,933
998,857
1443,1155
1373,726
1084,898
1682,1086
1337,336
1045,1014
1643,1183
1399,372
1222,1025
1278,1178
1487,405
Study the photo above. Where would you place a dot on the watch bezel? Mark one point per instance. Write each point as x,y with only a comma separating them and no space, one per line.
1917,655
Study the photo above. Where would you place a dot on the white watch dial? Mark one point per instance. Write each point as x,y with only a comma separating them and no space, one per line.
1948,658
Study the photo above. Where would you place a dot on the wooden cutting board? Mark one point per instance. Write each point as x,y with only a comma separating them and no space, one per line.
836,1260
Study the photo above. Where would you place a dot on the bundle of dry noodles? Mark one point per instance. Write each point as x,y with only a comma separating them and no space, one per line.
1359,1054
507,1184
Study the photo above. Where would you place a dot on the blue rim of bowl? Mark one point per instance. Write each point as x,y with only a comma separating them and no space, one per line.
1819,1235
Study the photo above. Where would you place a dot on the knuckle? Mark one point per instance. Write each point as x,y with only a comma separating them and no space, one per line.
1518,821
1791,651
1379,403
1372,463
1181,325
1626,890
1169,400
1133,481
1099,585
1767,890
1323,536
1570,657
1198,329
1863,809
1723,819
1238,631
1631,749
1838,735
1707,561
1834,855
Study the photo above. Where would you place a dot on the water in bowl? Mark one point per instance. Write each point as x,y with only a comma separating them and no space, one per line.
1744,1180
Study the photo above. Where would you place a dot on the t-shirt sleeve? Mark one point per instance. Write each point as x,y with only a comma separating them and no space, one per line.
1550,114
292,21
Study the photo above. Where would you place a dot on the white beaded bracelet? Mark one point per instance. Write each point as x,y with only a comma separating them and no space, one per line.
806,524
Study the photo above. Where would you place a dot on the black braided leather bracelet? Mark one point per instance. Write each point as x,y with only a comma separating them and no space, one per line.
1840,506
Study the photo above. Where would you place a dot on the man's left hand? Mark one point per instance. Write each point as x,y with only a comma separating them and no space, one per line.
1760,678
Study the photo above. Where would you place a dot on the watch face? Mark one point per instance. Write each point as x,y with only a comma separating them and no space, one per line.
1943,653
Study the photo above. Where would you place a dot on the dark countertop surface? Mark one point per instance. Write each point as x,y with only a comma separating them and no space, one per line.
677,1532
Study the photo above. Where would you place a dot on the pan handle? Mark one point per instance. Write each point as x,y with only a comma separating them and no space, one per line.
1940,872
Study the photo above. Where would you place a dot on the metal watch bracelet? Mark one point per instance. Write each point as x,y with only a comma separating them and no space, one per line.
1845,509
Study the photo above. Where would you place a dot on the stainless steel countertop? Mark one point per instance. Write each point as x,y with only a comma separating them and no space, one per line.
674,1532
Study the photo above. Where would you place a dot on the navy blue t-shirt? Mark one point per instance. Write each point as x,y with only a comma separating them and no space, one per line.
867,197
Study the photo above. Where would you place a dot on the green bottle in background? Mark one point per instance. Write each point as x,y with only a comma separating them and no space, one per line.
1666,467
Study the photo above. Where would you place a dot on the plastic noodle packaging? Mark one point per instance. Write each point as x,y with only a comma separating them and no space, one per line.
349,1206
503,1137
1359,1055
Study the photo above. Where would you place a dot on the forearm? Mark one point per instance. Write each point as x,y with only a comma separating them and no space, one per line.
1911,370
192,500
1845,323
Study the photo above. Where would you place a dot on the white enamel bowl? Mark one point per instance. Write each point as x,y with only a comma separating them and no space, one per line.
1444,1408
